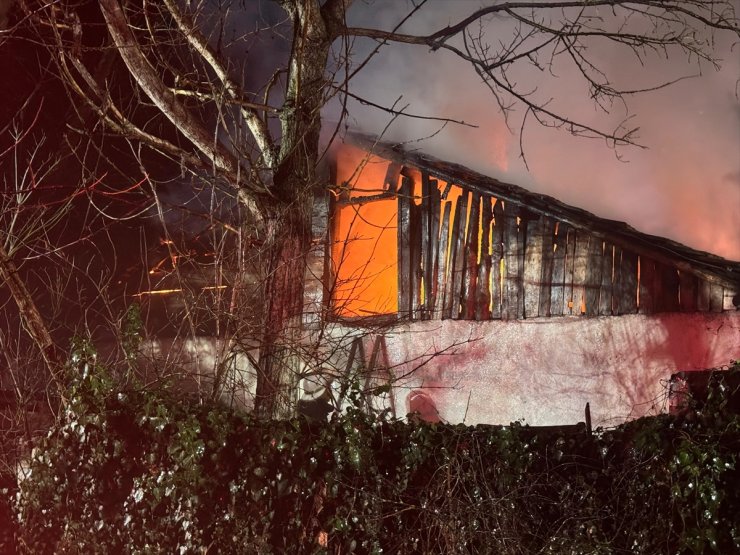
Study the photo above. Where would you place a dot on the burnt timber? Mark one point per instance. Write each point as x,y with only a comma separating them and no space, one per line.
545,258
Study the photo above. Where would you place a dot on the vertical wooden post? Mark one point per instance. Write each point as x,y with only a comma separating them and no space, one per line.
497,255
470,275
483,302
404,256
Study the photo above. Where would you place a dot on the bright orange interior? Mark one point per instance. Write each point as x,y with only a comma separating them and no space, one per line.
365,249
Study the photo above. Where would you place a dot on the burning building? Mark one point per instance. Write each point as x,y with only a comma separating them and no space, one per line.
490,303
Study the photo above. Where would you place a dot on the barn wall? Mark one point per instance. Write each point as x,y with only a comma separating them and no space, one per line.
545,371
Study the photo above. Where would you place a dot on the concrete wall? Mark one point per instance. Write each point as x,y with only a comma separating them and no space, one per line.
544,371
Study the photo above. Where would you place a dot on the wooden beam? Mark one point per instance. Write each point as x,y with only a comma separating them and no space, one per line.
432,262
415,242
441,282
469,295
483,303
457,258
405,287
497,255
425,239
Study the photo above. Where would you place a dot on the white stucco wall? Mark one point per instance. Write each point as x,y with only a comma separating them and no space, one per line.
541,371
544,371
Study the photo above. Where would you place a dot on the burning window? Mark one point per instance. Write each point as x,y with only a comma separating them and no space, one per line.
365,247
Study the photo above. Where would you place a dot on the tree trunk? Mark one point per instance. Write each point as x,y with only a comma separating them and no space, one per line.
289,239
288,212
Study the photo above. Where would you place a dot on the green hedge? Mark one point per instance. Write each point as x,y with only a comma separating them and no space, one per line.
136,472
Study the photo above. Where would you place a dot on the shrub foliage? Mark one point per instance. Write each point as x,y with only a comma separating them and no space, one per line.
134,471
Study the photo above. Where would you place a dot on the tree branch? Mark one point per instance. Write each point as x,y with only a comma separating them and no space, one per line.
195,38
162,97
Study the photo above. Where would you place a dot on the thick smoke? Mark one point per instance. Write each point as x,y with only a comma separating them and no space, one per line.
685,186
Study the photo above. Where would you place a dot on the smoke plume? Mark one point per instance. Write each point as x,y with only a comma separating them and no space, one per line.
685,185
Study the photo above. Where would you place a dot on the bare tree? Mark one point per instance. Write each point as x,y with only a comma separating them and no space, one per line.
172,81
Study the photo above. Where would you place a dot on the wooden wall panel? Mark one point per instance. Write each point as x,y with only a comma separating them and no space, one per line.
607,276
647,281
580,263
532,271
688,289
702,296
548,231
716,297
570,257
557,285
594,263
628,283
667,287
512,306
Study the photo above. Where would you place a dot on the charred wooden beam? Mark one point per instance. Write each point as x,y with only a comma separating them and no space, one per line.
707,266
497,257
416,234
441,281
425,239
457,258
469,294
405,285
483,303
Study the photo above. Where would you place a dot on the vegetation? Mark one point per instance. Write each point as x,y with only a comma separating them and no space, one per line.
133,471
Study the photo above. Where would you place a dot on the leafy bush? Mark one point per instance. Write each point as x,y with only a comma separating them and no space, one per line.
135,471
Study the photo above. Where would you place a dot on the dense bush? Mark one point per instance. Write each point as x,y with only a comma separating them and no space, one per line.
137,472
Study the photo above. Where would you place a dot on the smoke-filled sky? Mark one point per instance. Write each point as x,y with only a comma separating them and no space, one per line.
685,186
